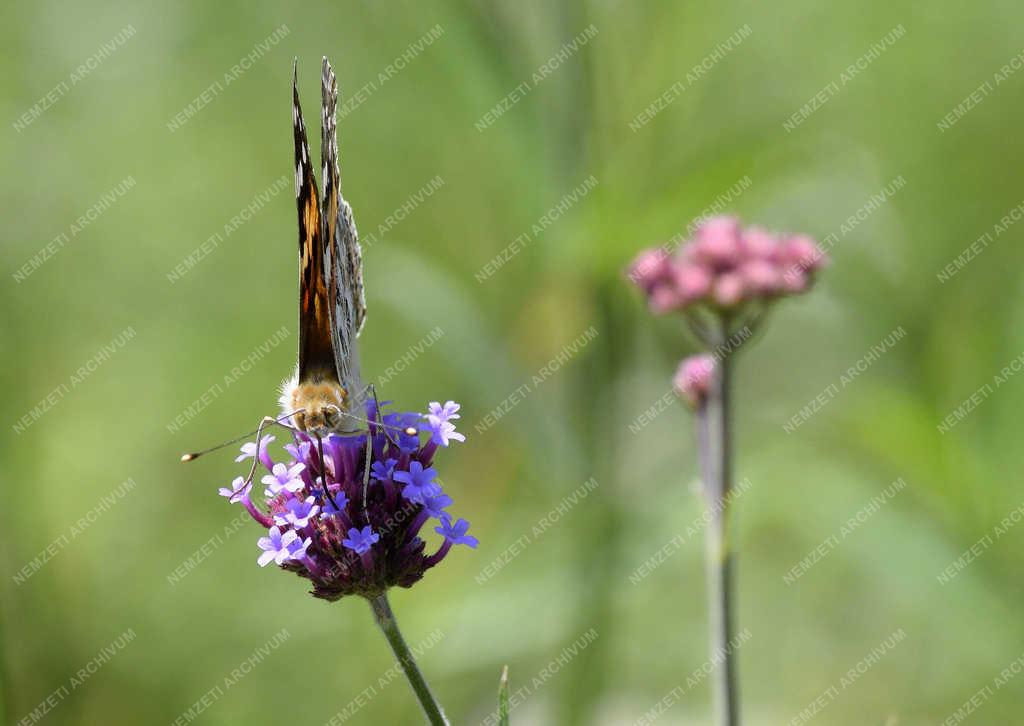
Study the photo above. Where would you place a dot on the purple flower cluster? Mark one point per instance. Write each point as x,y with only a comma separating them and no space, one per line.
321,526
725,266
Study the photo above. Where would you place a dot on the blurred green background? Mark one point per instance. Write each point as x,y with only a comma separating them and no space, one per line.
499,181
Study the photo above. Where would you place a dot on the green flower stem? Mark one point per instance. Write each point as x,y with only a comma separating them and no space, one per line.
389,626
714,443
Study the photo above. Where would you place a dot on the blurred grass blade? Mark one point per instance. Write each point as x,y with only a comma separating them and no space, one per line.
503,697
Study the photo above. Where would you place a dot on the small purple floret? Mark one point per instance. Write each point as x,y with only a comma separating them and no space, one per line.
300,451
337,498
236,491
399,424
249,451
419,482
361,540
435,505
382,470
439,420
297,548
283,478
456,533
297,512
279,547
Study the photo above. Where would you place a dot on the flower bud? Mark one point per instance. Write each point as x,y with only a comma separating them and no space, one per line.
693,378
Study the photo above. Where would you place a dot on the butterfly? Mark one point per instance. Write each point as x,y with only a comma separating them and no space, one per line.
325,393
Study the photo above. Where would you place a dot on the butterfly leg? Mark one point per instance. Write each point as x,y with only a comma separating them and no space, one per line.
259,437
380,417
366,471
323,471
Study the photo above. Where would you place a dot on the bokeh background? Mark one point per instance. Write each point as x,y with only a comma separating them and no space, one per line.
499,181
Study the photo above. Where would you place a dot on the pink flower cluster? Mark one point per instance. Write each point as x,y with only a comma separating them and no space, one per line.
725,266
693,378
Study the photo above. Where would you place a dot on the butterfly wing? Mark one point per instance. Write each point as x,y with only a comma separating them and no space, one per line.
345,257
316,348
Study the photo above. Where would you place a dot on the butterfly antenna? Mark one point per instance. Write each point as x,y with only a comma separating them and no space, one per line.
196,454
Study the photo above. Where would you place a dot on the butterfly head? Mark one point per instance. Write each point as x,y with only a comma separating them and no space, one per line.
319,404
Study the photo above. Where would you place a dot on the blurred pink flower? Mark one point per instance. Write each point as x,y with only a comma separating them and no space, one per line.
693,378
726,266
664,298
761,276
717,242
759,242
649,268
729,289
692,281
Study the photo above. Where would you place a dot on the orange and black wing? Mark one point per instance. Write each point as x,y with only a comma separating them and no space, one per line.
316,350
345,267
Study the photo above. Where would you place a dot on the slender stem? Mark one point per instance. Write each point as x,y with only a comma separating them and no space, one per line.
715,449
389,626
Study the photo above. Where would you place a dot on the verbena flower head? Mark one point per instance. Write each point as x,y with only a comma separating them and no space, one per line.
320,525
726,267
